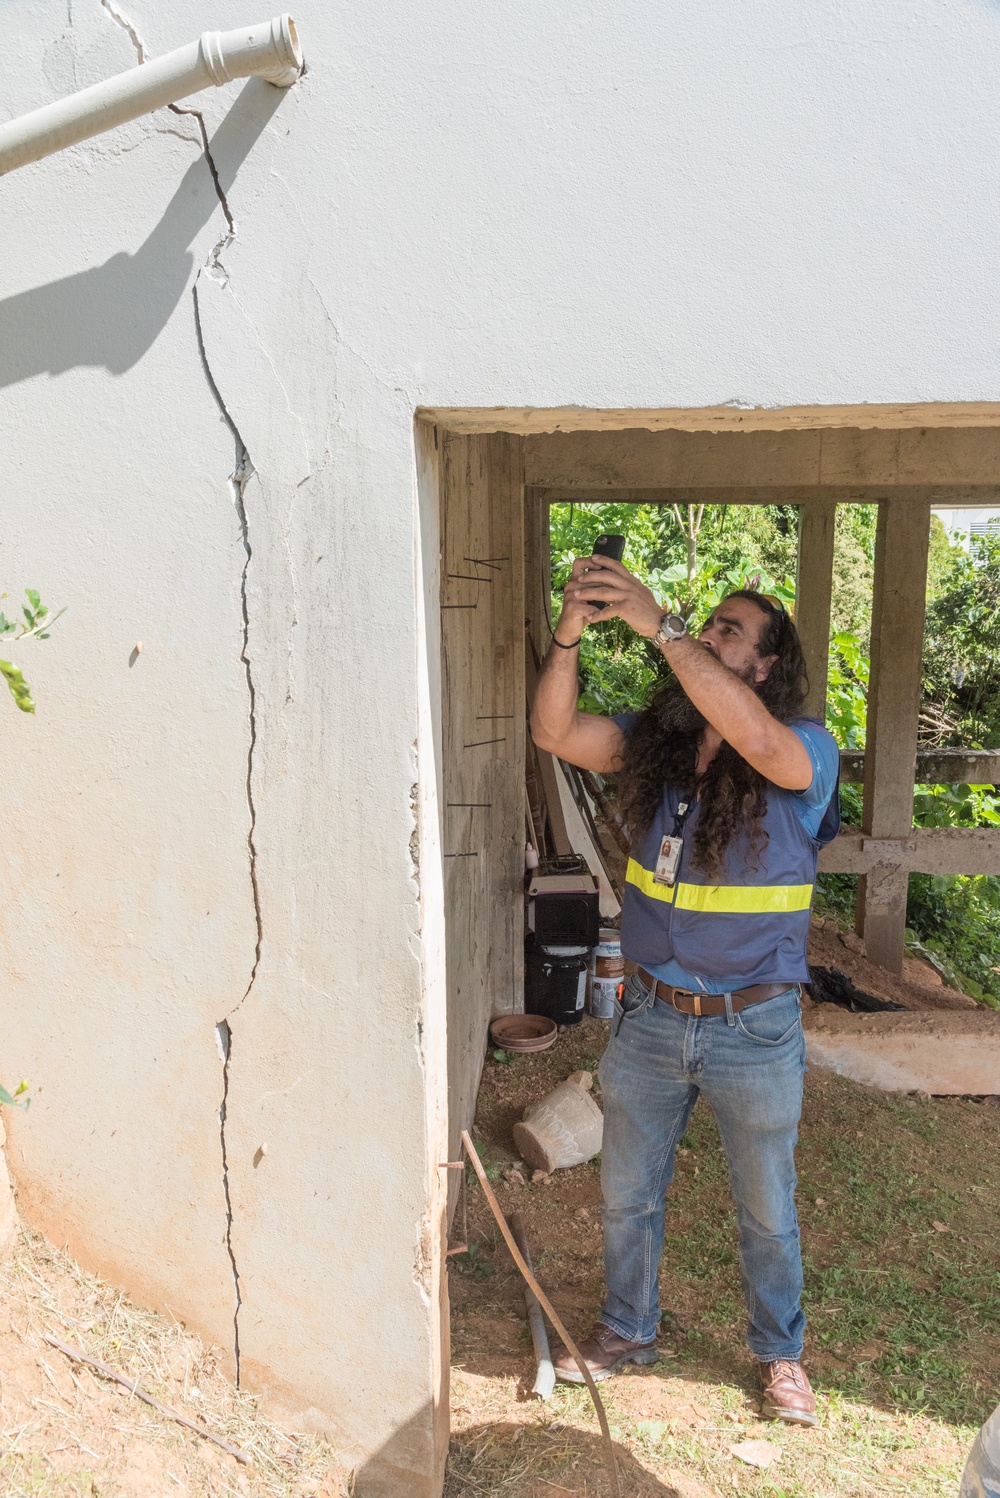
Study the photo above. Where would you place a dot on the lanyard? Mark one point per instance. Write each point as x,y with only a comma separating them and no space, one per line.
680,817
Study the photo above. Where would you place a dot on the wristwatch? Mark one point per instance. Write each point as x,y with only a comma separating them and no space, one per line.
672,627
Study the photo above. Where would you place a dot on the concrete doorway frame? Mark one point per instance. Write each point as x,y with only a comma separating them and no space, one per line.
485,480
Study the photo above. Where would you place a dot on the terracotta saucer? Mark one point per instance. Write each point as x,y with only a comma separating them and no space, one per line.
523,1032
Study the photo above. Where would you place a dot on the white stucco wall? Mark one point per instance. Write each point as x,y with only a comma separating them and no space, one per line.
633,205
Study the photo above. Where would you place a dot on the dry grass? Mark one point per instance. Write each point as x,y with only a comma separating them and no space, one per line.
65,1430
899,1200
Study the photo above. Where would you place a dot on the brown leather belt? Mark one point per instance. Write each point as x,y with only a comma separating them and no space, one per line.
688,1002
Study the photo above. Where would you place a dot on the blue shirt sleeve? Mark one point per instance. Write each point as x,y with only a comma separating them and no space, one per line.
626,722
824,756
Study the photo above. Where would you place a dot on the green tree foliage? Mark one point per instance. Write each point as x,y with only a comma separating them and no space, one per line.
853,570
737,547
961,675
954,921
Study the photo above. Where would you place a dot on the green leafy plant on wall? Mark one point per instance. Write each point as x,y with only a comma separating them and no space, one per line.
38,621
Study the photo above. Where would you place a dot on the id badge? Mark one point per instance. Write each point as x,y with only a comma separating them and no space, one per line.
668,860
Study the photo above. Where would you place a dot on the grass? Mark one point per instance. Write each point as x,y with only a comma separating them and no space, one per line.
898,1201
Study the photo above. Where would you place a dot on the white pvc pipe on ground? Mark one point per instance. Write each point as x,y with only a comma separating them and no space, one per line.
270,51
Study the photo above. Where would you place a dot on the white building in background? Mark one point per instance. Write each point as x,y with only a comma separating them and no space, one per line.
963,524
224,911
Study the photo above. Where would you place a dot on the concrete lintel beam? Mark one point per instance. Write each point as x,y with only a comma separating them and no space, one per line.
812,457
924,850
935,766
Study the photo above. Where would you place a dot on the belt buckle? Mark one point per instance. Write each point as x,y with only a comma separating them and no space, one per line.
689,993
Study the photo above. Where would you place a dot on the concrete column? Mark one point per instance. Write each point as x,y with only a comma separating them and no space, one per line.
813,594
893,707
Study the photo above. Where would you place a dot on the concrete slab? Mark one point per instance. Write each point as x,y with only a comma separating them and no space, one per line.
941,1052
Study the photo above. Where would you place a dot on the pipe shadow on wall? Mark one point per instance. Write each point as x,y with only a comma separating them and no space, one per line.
113,313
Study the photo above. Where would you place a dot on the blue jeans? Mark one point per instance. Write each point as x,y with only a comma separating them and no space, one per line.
749,1068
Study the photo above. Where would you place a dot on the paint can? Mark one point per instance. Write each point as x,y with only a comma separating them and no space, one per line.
601,996
606,959
607,971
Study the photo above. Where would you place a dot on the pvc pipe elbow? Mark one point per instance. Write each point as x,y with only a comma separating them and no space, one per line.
270,50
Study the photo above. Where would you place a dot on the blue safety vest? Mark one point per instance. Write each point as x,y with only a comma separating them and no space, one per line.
745,921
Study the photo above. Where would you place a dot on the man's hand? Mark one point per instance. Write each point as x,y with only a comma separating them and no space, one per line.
590,740
612,583
576,612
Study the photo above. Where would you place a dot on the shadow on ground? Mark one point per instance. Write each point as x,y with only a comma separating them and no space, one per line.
541,1461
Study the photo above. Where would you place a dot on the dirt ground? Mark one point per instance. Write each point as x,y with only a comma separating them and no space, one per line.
898,1201
66,1431
919,986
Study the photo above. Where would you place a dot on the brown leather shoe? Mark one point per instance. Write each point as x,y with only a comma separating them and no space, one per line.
787,1393
604,1353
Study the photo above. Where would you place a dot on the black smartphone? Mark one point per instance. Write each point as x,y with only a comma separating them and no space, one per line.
607,546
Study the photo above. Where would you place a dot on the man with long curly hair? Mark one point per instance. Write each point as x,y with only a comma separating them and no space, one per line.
727,793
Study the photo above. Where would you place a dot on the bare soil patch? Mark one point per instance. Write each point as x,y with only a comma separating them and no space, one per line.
919,986
66,1431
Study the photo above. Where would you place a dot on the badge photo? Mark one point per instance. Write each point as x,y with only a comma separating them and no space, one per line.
668,861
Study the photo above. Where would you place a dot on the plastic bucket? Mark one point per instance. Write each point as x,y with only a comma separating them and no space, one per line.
555,982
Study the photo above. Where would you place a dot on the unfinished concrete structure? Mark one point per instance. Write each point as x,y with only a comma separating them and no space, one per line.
288,416
904,459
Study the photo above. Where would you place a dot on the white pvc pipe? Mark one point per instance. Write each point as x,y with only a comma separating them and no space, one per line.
270,51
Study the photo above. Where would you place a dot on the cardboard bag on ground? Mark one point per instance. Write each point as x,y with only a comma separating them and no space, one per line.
565,1128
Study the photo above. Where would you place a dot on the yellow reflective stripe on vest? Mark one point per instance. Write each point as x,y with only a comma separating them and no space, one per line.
643,879
723,899
739,899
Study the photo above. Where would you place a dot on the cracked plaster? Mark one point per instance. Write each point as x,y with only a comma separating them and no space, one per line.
238,480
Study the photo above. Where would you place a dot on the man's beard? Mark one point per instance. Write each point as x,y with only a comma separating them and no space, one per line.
676,713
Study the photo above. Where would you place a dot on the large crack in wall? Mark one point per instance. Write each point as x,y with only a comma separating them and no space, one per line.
243,470
239,478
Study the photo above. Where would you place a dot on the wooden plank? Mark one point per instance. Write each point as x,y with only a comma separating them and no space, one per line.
503,656
682,458
537,570
935,766
946,496
558,831
557,837
813,595
530,420
483,745
672,459
583,842
897,636
926,850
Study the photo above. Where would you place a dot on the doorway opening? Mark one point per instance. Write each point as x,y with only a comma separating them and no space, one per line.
487,481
